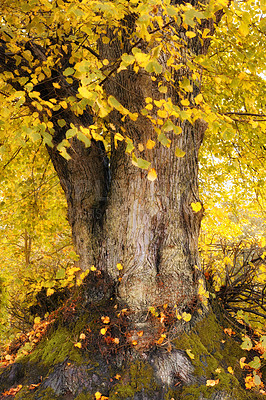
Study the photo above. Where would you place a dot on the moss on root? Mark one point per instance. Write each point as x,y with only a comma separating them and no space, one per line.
214,352
46,394
138,377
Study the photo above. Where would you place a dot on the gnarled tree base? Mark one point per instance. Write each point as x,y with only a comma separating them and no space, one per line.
119,368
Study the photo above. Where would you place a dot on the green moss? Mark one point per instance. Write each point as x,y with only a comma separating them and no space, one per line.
214,352
46,394
85,396
56,348
140,377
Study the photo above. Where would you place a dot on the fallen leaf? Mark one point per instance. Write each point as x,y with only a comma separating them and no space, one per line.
230,370
105,320
190,354
212,382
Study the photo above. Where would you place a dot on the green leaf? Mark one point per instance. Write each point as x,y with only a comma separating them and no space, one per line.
61,273
154,66
114,103
190,15
61,122
143,164
68,71
130,145
246,344
256,363
84,139
164,140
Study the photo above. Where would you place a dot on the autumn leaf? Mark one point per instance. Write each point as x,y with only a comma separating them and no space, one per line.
105,320
230,370
186,316
211,382
249,382
196,207
190,354
152,175
150,144
82,336
179,153
103,331
78,344
119,267
242,362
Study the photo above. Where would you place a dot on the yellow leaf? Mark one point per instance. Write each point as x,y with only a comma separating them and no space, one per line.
118,136
134,342
148,99
160,341
217,80
98,395
149,106
50,292
140,333
242,362
63,104
56,85
152,175
133,116
179,153
78,345
103,331
119,266
105,320
230,370
140,147
82,336
196,207
85,92
198,99
185,102
117,376
150,144
249,382
186,317
190,354
116,340
190,34
93,268
105,62
37,320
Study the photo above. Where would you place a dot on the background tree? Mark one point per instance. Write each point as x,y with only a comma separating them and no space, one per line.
113,91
